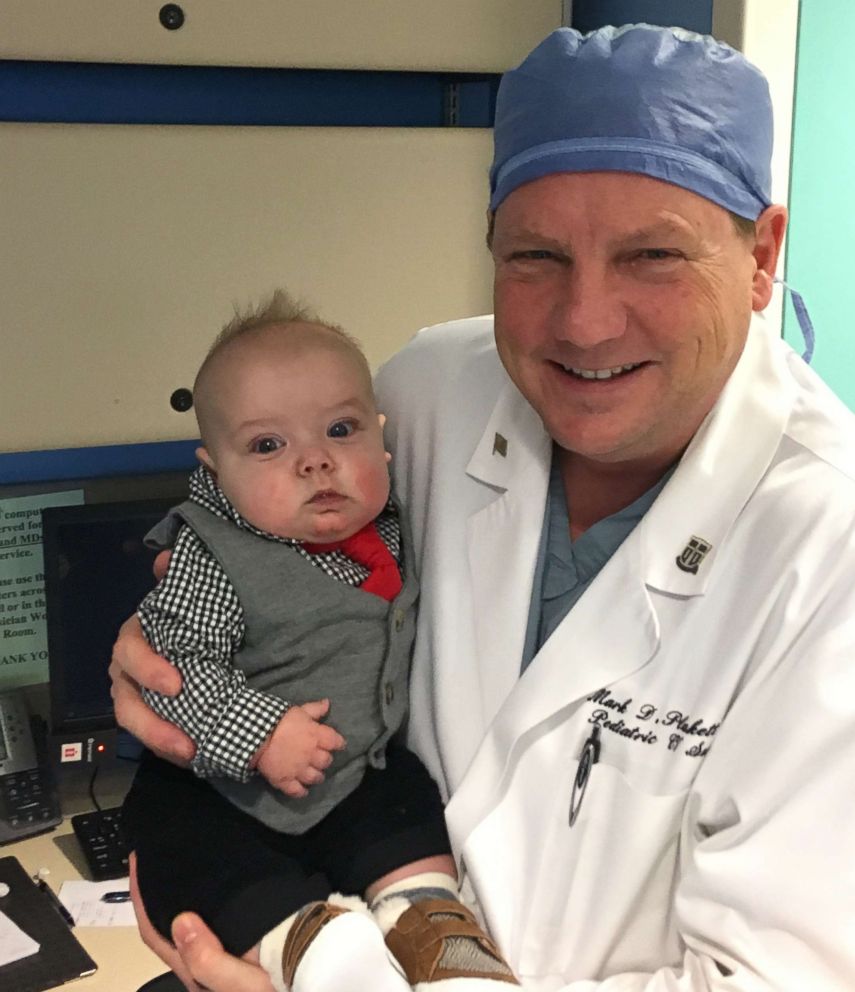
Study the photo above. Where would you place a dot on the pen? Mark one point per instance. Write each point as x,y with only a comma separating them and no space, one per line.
587,759
52,898
116,897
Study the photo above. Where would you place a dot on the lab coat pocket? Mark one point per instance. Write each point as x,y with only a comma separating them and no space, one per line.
609,874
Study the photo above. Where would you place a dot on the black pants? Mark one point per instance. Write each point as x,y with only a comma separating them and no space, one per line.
195,850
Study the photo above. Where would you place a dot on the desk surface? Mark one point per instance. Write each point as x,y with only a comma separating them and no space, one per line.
124,962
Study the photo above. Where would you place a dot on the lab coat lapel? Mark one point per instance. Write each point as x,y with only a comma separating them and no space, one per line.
512,458
609,634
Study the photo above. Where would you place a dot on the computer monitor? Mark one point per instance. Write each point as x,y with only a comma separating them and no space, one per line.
97,569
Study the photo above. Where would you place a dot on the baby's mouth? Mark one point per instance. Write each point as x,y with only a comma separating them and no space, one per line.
326,496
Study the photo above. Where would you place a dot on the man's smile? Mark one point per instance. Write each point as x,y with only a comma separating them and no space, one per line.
606,373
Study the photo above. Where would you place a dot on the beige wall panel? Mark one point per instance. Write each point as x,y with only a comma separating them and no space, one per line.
126,247
470,35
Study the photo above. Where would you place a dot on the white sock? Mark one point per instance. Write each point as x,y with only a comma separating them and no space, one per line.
273,942
393,900
349,955
270,951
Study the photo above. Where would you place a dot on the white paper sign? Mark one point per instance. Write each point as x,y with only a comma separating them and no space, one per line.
23,630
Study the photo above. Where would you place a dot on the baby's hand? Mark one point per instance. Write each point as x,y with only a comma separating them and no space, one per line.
299,749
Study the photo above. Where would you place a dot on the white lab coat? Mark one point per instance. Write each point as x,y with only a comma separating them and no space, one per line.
717,833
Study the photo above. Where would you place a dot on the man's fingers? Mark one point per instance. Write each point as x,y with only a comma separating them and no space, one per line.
152,939
161,564
160,736
133,657
209,964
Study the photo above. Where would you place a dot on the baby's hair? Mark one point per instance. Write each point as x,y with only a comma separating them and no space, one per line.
279,310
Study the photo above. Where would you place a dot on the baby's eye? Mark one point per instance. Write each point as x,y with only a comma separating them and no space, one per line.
266,445
341,428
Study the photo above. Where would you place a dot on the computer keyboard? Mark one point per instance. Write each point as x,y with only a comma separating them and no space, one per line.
104,847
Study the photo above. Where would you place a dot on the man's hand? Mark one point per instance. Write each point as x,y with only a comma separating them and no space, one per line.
202,955
198,958
299,749
135,664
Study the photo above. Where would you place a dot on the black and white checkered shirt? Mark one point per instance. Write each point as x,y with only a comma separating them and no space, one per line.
194,619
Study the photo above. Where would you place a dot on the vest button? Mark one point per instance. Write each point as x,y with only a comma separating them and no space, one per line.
399,620
389,693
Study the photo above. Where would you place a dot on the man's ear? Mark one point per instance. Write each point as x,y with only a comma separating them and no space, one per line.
770,227
205,458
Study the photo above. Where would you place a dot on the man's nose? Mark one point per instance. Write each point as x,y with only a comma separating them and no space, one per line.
591,310
314,460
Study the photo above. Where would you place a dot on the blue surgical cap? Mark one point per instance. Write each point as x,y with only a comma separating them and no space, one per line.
663,102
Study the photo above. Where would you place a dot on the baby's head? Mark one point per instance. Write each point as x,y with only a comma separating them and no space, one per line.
289,424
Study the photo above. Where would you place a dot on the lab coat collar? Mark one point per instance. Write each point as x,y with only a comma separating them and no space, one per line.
719,471
512,458
514,443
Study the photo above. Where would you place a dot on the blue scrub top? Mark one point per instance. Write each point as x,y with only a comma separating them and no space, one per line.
566,568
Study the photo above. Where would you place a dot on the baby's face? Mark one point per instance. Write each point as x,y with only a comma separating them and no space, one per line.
296,443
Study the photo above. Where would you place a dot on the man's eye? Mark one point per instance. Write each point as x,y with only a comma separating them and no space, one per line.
266,445
657,254
341,428
535,255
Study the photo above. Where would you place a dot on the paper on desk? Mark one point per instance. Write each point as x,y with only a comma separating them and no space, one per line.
14,943
83,901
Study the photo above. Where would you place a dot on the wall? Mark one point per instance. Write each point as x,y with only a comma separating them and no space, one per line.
131,243
822,226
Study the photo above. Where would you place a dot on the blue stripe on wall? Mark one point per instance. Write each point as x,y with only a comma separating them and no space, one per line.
694,15
96,93
91,463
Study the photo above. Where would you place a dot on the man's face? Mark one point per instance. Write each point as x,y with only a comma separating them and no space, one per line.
295,441
622,304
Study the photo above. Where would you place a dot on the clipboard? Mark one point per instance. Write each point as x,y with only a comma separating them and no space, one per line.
61,958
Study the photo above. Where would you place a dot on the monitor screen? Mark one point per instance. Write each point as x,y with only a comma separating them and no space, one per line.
97,570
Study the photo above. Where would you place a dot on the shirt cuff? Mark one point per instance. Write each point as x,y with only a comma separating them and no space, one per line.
241,730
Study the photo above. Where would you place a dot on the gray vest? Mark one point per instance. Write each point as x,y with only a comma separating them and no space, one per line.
309,636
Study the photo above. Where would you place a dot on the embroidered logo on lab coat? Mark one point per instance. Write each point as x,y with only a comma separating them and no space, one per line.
693,554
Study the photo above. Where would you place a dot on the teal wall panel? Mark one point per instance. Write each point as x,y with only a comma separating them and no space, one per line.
821,246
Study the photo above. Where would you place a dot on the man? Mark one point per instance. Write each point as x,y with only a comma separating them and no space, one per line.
662,800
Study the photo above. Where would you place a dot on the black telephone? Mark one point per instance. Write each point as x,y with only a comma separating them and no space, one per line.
29,801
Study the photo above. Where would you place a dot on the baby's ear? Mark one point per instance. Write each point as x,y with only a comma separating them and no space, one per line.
205,458
381,417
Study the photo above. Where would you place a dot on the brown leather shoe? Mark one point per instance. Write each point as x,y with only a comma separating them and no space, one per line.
312,919
430,942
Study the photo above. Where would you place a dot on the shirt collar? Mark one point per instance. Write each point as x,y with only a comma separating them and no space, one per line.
205,491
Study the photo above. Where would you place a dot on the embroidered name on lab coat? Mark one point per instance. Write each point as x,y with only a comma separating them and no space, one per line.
646,723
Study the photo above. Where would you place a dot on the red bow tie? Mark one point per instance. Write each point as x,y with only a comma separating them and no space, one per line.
366,547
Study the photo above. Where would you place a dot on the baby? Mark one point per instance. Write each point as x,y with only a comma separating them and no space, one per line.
289,599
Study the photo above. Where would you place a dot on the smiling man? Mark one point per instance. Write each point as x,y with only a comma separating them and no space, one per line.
634,517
